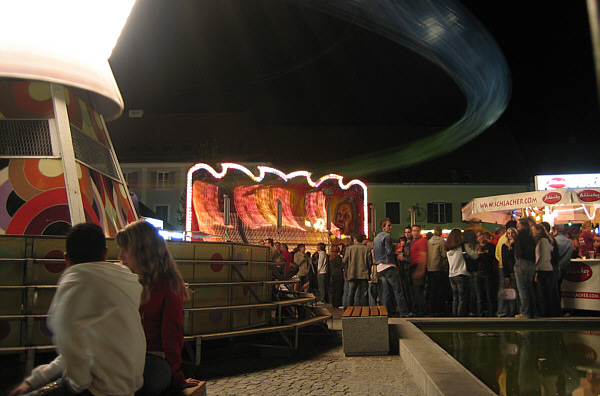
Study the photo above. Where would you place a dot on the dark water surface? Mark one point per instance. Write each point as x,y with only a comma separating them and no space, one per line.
529,362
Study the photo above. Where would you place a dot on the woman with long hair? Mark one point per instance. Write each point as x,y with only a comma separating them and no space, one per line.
458,275
508,268
145,252
543,266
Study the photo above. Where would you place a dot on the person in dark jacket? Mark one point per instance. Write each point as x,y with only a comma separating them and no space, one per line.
508,267
486,282
336,272
525,268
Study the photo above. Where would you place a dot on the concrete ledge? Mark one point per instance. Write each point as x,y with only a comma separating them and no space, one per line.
365,336
436,371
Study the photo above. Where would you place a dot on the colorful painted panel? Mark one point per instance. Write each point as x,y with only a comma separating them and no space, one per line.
12,246
258,317
206,322
105,201
33,198
10,332
12,272
85,119
41,334
25,100
11,301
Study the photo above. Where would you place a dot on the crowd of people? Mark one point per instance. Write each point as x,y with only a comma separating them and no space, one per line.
515,271
117,326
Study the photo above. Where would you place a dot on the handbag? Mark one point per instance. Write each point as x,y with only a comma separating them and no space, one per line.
374,274
507,294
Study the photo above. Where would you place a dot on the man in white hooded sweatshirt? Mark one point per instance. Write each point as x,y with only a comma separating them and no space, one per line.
96,323
437,267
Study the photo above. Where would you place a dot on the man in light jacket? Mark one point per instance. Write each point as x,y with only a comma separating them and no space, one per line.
356,258
437,272
95,319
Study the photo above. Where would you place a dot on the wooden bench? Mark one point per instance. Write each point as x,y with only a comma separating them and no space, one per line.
365,331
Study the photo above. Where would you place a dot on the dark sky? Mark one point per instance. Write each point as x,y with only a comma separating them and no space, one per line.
549,52
288,65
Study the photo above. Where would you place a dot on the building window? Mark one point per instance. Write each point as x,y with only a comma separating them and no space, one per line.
439,212
162,212
131,179
162,180
392,211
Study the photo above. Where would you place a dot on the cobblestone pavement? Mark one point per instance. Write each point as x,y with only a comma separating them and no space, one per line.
319,367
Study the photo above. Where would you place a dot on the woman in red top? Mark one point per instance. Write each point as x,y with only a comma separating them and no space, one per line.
145,252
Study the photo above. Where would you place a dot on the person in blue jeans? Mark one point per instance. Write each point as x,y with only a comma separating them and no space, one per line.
525,268
323,273
457,251
384,254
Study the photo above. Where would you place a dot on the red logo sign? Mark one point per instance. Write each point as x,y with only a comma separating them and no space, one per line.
552,198
557,182
589,195
578,272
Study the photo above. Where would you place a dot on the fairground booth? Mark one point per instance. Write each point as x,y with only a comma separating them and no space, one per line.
235,204
559,199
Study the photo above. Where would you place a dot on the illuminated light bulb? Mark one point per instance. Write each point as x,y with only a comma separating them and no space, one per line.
66,42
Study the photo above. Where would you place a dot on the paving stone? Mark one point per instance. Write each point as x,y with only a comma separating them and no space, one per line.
320,368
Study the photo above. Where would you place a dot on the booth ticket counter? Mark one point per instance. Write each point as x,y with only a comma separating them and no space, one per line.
580,288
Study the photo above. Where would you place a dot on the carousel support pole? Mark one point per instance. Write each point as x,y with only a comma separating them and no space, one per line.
279,221
67,154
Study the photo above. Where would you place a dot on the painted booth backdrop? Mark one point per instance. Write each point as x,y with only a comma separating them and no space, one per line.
253,205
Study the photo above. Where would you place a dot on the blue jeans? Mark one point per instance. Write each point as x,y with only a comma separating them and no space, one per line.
357,292
157,376
460,295
322,280
487,293
345,297
438,283
417,293
374,292
544,293
391,280
524,274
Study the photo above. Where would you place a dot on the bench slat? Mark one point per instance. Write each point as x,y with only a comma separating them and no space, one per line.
383,311
365,311
357,311
348,312
374,310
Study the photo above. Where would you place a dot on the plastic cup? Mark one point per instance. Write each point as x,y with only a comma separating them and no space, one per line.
591,254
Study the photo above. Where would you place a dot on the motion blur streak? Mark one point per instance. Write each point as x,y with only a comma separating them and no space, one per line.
444,32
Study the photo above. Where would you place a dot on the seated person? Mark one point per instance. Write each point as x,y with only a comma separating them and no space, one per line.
146,253
96,323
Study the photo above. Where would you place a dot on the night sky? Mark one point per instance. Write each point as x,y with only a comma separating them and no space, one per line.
549,52
291,66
